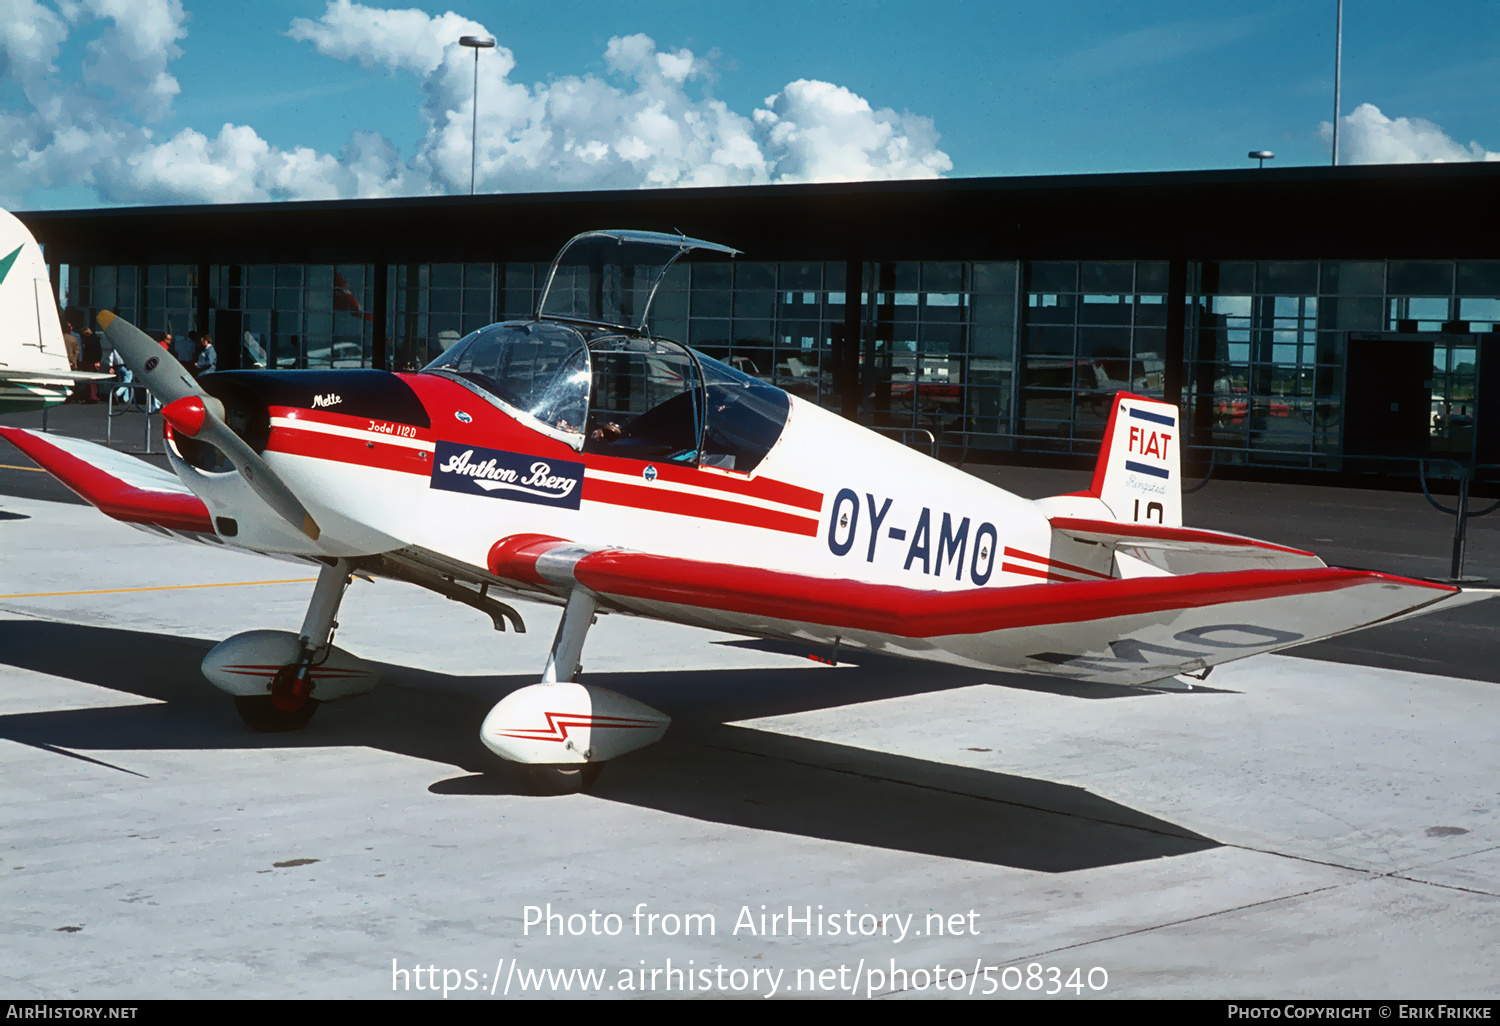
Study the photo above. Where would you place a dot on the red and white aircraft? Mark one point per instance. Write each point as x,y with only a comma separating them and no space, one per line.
575,459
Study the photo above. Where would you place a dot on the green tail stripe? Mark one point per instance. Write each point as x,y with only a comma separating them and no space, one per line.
5,264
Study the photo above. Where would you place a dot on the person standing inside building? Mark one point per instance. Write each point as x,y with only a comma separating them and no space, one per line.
73,344
90,352
208,360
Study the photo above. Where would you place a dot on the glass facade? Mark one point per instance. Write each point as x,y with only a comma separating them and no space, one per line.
1092,328
1020,356
1267,342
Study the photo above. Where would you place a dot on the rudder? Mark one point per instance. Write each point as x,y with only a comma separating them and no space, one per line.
1139,473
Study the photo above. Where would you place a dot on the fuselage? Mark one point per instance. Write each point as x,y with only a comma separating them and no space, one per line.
389,461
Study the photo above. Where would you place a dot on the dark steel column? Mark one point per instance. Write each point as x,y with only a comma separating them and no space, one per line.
1176,347
203,286
379,348
847,349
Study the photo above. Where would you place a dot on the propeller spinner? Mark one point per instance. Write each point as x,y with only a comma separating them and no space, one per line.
195,413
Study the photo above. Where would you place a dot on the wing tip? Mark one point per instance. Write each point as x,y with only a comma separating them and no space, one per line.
105,319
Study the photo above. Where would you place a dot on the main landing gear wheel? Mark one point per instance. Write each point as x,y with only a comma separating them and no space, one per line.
262,716
565,779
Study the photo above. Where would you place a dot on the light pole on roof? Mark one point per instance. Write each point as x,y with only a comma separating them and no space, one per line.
1338,58
478,43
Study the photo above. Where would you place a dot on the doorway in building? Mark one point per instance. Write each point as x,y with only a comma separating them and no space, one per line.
1411,394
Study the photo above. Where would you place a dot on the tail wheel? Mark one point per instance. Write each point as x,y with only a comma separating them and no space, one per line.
261,714
566,779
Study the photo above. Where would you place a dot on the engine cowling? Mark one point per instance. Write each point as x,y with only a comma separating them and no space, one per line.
566,723
247,663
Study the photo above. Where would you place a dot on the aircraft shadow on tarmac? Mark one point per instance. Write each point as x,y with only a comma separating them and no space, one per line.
706,768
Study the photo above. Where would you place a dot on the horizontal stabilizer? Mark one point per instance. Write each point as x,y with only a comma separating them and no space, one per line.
1182,550
121,486
52,377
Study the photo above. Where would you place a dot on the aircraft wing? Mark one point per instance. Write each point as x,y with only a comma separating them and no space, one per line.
1117,631
121,486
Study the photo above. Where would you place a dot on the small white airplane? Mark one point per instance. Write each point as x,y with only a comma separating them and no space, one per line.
577,460
34,370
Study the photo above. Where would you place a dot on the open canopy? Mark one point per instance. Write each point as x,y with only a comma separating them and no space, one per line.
610,276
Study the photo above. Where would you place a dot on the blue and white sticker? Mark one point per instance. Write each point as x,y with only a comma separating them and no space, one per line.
462,416
649,473
507,475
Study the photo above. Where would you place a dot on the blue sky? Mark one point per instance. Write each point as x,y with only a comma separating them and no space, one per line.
581,101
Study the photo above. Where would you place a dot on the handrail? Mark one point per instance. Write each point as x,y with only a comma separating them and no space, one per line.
136,389
901,434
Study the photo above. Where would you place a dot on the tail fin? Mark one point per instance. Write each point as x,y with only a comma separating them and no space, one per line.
30,335
1139,473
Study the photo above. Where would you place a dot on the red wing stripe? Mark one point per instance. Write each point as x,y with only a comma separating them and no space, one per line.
1059,564
176,511
644,496
908,612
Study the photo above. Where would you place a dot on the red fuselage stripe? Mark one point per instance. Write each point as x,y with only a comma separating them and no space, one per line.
644,496
658,498
1059,564
754,488
339,449
1046,575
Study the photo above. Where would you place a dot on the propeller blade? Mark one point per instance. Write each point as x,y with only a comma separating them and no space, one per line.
153,366
197,414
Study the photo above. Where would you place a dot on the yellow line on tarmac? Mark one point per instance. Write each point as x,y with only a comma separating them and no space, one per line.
11,466
160,587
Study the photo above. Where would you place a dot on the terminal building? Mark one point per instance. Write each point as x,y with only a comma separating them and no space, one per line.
1341,321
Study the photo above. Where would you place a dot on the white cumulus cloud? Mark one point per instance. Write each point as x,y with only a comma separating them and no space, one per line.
1366,136
648,121
398,40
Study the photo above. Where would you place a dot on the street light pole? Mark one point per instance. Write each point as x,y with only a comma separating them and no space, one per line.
480,43
1338,57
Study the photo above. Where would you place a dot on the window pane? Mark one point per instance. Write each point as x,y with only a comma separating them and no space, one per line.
711,276
1098,276
999,309
1151,276
1051,276
1421,278
711,304
1288,277
755,276
755,304
942,277
1479,278
995,279
1042,339
1234,277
